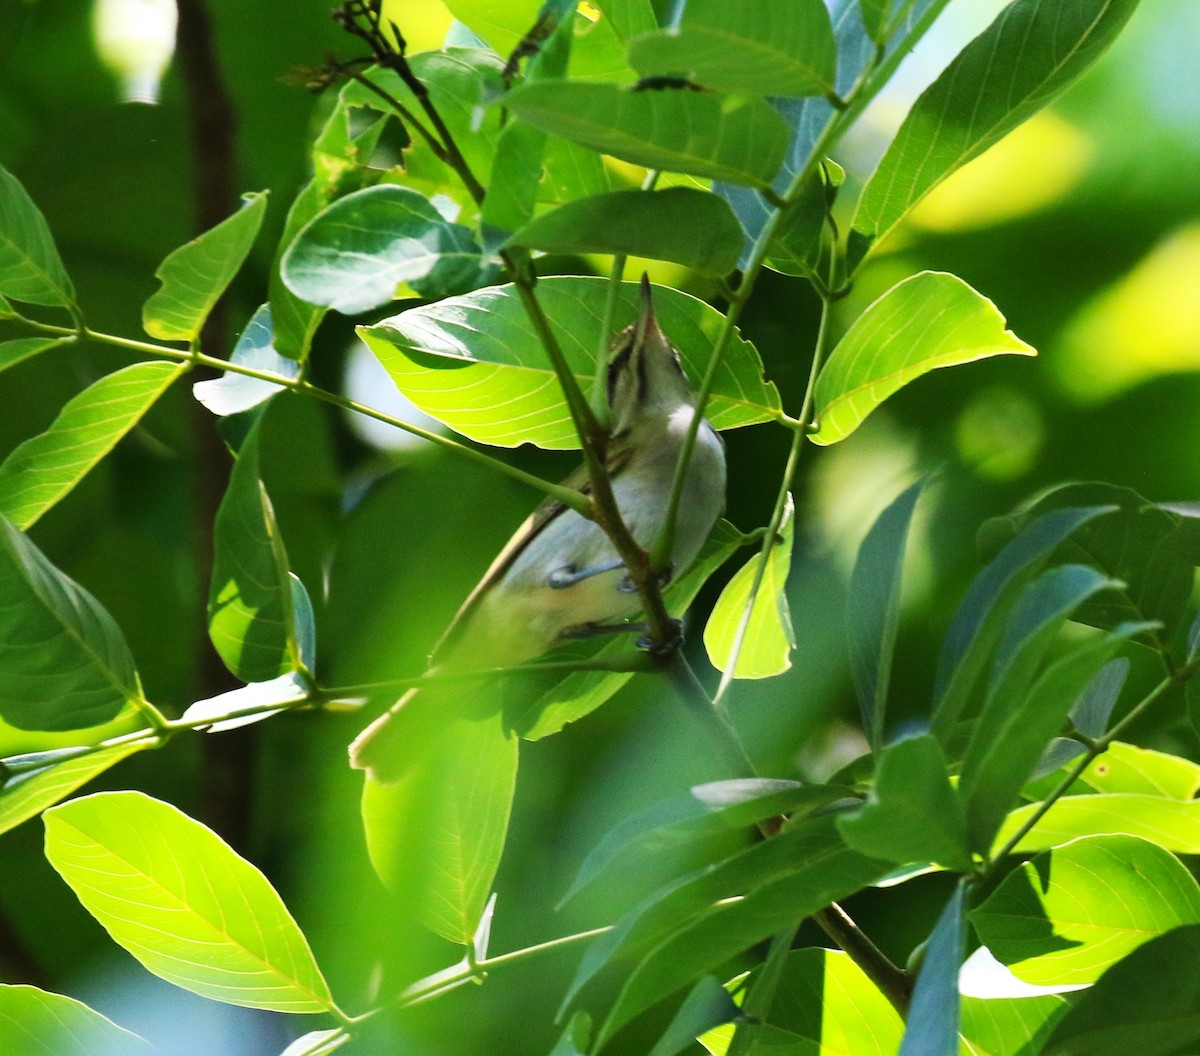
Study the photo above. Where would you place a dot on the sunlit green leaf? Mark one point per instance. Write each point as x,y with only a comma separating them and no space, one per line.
475,363
1147,1004
43,469
768,641
875,16
764,47
912,814
27,795
928,321
250,605
23,348
873,609
1127,768
689,227
34,1022
629,18
233,393
735,138
195,275
30,267
1009,72
356,253
247,705
66,664
436,828
720,806
178,898
1172,824
931,1028
581,692
1068,914
1015,1026
978,621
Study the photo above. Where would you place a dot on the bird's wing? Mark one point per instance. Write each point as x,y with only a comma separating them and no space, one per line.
618,457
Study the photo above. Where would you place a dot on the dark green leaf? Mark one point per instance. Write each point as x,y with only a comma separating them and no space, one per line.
739,139
473,362
233,393
250,605
574,1040
932,1025
1091,712
1068,914
195,275
581,692
1014,68
1147,1004
928,321
356,253
766,647
912,814
707,1006
34,1022
436,833
43,469
179,899
30,267
974,630
721,806
66,664
680,224
873,609
763,47
1170,823
23,348
875,18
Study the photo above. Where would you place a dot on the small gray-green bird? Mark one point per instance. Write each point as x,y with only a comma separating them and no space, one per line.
559,577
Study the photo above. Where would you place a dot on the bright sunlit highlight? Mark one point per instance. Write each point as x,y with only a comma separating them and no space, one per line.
136,39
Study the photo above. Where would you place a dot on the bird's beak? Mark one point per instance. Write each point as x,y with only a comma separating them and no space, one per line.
646,321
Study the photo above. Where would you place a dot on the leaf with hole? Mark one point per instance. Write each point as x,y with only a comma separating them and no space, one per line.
43,469
195,275
928,321
475,364
760,47
177,897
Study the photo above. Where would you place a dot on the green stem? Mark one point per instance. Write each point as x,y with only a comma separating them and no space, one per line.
1094,750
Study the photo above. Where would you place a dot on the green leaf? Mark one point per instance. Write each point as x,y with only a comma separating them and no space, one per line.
932,1024
436,832
912,814
735,138
581,692
873,609
233,393
475,364
66,664
27,795
762,47
928,321
1091,712
680,224
249,704
1147,1004
1126,768
708,1005
1068,914
704,810
574,1039
1009,72
250,607
30,267
997,1026
195,275
318,1043
1023,711
1169,823
355,254
1135,544
977,624
695,925
43,469
768,640
34,1022
23,348
629,18
824,1005
795,247
178,898
875,18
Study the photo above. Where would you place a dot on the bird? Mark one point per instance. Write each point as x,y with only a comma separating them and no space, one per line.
559,577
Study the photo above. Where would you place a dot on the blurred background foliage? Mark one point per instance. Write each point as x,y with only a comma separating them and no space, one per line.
1083,227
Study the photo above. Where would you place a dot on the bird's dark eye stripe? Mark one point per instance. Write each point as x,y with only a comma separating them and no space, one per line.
615,366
